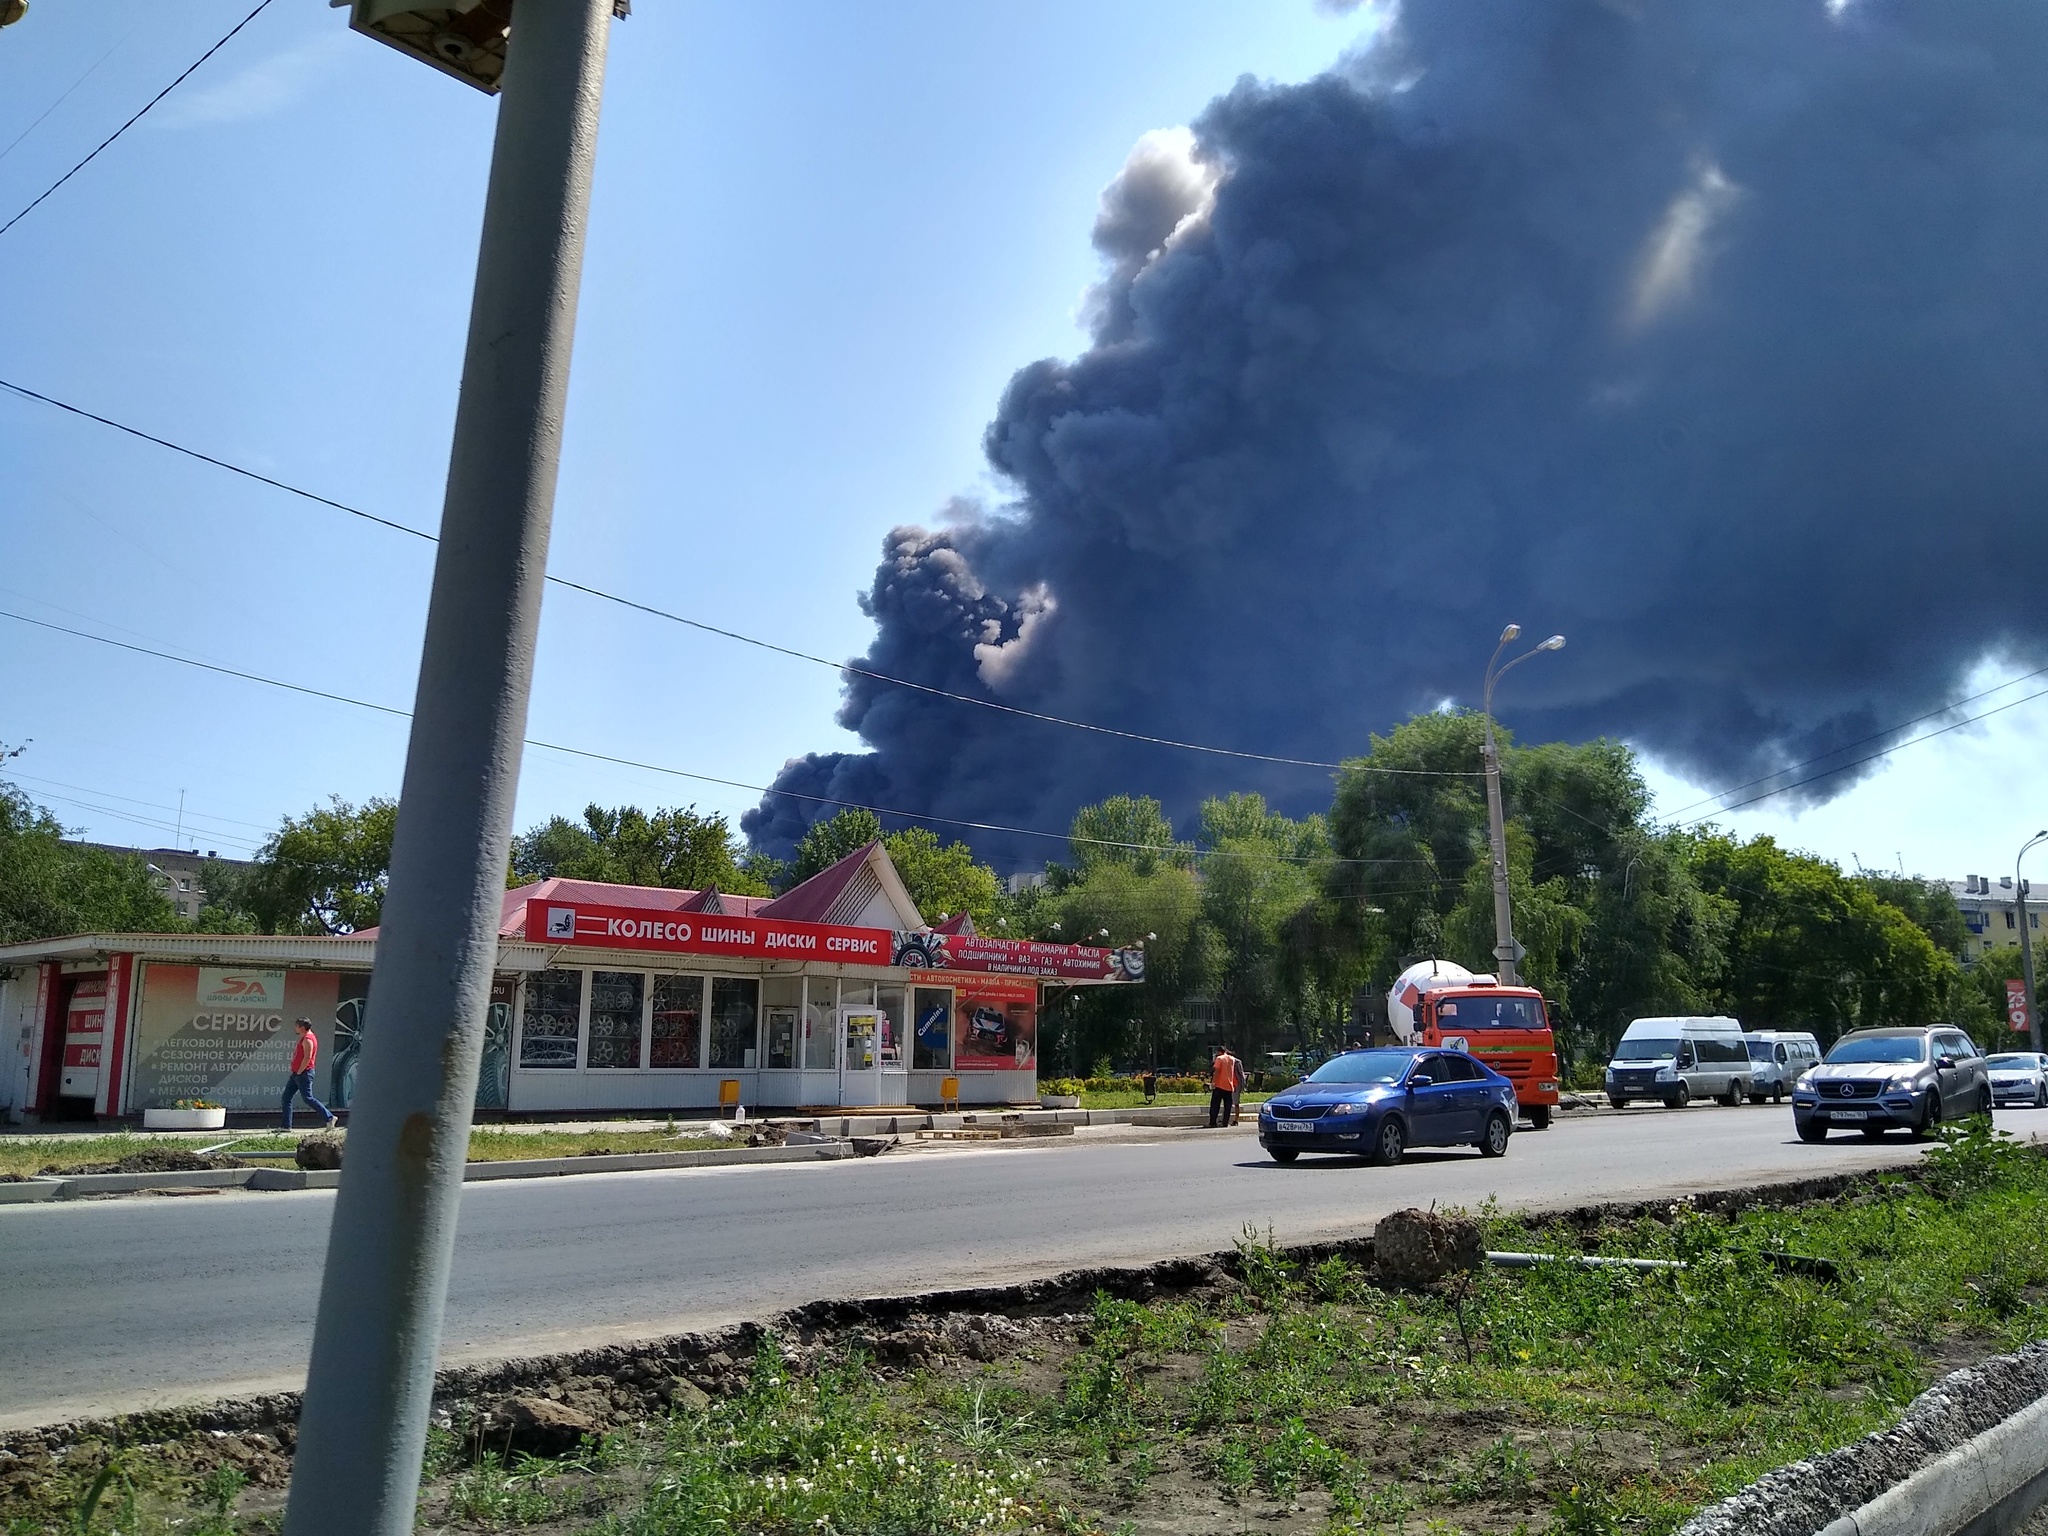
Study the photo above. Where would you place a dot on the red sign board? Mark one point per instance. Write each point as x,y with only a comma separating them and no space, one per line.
1017,957
701,933
2019,1010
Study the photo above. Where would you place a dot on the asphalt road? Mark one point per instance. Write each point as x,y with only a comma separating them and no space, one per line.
120,1304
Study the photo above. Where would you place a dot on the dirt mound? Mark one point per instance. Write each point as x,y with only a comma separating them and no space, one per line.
1419,1248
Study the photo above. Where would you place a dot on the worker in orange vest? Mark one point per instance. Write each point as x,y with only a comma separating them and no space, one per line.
1223,1080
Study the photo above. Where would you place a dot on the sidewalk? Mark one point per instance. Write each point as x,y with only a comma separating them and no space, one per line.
828,1138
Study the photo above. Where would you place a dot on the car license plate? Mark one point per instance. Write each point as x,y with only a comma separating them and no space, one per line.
1294,1125
1849,1114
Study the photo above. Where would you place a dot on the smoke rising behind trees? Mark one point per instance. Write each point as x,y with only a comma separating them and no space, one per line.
1707,335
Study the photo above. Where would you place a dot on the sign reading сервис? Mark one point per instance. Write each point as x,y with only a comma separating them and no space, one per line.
596,926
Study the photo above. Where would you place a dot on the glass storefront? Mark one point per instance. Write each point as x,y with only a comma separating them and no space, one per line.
624,1021
554,1020
678,1035
615,1022
735,1021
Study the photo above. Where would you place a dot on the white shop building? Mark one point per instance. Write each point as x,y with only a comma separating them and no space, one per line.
606,997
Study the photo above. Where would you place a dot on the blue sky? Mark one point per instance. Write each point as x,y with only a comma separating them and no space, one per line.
822,238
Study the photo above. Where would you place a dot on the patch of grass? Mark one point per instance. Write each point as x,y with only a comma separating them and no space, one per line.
26,1155
497,1146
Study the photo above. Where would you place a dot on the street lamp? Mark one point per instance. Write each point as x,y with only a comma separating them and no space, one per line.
377,1334
2019,897
1506,952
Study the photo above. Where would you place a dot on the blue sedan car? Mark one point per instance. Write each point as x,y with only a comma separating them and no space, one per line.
1378,1103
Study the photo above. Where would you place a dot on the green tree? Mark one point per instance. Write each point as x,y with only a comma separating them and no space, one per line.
673,847
1259,870
944,879
1811,948
829,841
1117,904
50,887
1131,830
323,872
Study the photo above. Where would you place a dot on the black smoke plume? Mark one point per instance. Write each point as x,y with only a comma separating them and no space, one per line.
1711,335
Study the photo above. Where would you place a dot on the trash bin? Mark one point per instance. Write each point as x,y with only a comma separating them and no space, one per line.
1149,1081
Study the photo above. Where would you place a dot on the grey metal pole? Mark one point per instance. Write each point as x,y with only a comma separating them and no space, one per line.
377,1335
1503,910
2019,892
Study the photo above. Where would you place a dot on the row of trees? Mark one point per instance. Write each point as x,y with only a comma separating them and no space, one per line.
1272,927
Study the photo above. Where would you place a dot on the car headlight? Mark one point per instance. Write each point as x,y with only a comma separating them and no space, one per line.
1665,1074
1804,1085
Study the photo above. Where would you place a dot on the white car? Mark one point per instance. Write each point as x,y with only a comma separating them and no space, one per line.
2019,1077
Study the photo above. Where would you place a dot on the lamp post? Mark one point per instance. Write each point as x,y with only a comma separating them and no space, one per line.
2019,898
1506,952
377,1334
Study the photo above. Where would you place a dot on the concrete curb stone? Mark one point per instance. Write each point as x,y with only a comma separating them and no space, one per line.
1963,1458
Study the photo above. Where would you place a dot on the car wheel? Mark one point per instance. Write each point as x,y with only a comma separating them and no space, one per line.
1391,1143
1984,1102
1539,1117
2041,1096
1812,1130
1283,1154
1757,1096
1679,1099
1617,1103
1778,1094
1930,1117
1495,1142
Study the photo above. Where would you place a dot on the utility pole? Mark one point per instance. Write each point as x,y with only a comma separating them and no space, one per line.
1507,954
376,1338
2019,900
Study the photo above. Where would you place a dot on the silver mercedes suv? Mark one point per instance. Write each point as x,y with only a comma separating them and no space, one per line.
1875,1080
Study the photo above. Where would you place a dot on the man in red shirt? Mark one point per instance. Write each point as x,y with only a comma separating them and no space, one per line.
305,1056
1223,1081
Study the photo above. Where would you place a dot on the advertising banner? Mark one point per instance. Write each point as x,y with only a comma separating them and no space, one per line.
701,933
85,1017
927,950
225,1035
995,1018
2019,1008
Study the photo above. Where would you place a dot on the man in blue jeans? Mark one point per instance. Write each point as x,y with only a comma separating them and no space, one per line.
305,1056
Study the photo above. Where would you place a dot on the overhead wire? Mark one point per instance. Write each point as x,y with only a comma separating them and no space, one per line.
1169,850
262,6
91,69
670,616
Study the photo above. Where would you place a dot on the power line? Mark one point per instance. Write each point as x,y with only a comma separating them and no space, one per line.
1168,849
1874,756
91,70
159,96
1850,746
668,615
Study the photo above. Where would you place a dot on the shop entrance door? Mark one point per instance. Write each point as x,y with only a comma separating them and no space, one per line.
860,1062
85,1017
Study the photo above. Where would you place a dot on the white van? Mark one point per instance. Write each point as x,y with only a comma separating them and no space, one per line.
1778,1058
1677,1060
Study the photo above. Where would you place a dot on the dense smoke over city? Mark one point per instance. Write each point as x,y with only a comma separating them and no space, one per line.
1710,335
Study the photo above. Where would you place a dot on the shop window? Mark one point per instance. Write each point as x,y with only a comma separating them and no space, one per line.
735,1018
782,1000
615,998
932,1029
894,1009
554,1011
821,1023
678,1022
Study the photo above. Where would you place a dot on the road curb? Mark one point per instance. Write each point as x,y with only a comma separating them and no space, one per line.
72,1186
1974,1448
